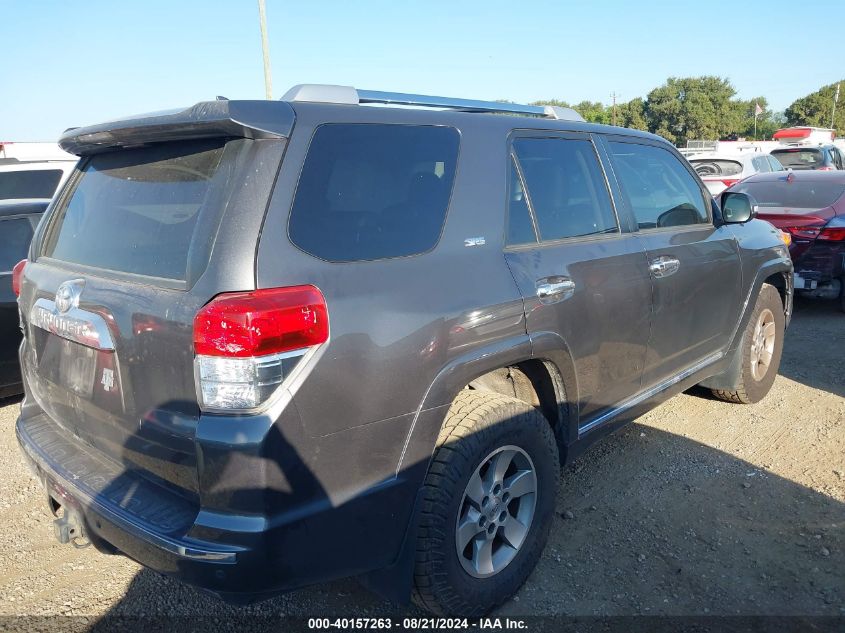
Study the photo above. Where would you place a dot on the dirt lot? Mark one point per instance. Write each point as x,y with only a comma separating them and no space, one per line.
700,507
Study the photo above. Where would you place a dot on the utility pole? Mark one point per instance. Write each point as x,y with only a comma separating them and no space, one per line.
614,95
835,99
265,50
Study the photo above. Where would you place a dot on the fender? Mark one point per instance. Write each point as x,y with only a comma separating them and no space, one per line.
395,582
781,265
729,378
551,347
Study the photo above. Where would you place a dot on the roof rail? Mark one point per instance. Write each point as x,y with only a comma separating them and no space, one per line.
319,93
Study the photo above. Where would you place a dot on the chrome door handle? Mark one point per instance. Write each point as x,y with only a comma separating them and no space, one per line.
553,289
664,266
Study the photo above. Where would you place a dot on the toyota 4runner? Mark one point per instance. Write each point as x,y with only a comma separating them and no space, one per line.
269,344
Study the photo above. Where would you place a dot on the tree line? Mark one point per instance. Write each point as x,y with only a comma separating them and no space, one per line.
686,108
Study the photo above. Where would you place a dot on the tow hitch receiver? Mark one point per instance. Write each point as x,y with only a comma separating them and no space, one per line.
68,528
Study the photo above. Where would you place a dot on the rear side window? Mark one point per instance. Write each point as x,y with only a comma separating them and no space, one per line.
662,193
15,235
776,166
373,191
566,188
718,167
805,158
135,210
761,164
35,183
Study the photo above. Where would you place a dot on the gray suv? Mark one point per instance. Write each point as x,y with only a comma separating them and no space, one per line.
269,344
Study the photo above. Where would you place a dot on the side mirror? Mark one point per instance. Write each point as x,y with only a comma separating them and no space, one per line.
737,207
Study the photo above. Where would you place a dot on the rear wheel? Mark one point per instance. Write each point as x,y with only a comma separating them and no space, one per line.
487,504
762,346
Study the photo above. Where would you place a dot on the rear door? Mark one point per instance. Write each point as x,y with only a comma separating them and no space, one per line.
120,271
694,265
583,276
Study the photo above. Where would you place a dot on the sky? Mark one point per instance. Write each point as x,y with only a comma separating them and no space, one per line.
66,64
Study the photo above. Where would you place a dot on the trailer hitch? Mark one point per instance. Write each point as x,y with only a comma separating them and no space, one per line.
69,528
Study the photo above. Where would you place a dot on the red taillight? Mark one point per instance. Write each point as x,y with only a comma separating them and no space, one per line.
804,232
827,233
17,277
730,181
832,234
261,322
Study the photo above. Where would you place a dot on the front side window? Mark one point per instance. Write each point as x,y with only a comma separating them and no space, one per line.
662,193
566,188
15,235
373,191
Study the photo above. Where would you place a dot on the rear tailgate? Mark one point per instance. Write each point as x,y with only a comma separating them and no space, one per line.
141,239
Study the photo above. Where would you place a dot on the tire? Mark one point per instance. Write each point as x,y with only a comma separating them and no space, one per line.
483,430
756,381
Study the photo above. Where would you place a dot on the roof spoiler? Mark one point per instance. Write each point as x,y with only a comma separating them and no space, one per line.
208,119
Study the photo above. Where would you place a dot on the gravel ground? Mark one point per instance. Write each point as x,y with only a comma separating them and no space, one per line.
699,507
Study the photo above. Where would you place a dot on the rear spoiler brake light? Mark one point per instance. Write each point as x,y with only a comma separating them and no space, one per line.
209,119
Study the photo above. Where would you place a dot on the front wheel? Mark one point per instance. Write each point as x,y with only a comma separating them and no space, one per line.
487,504
762,346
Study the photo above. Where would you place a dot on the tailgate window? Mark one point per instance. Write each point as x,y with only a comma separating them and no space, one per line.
716,167
799,158
135,211
33,183
810,194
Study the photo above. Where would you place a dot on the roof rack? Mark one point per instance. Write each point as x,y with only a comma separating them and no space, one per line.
321,93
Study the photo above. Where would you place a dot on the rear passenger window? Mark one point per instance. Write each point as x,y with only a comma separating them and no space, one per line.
760,164
372,191
566,188
662,193
15,235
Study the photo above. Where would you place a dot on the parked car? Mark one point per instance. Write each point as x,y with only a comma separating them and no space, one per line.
804,157
810,206
720,171
18,220
260,354
32,180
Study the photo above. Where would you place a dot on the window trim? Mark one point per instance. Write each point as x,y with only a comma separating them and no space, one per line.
515,166
305,155
517,134
706,198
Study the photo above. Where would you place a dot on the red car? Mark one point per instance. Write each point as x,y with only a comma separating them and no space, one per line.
810,206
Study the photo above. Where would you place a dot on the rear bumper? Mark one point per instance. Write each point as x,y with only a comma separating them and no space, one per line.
238,556
819,264
89,485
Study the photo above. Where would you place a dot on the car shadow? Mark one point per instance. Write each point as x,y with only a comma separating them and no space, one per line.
814,347
647,522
